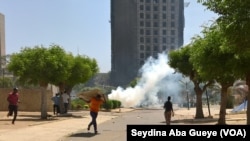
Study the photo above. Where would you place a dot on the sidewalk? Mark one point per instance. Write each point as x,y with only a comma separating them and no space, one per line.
49,130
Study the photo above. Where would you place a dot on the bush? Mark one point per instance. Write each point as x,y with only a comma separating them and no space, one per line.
108,105
116,104
78,104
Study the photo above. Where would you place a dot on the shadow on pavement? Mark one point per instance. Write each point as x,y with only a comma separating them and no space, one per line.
85,134
188,121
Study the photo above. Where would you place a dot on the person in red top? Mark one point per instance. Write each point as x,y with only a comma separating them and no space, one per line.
95,104
13,101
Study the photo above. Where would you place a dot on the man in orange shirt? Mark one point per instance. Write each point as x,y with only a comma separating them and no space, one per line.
95,104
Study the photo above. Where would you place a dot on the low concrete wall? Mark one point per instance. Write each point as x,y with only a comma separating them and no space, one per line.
30,99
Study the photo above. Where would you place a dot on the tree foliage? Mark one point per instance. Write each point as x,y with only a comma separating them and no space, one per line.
52,65
234,22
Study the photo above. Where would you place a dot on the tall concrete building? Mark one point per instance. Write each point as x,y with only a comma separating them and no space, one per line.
2,37
140,29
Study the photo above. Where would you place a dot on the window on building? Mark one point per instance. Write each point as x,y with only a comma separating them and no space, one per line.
148,1
164,47
172,24
155,8
148,16
141,0
164,32
172,8
156,48
172,47
142,31
148,40
141,62
164,40
155,54
164,16
148,8
148,32
155,40
148,55
156,24
172,1
172,32
172,40
148,48
142,55
164,1
164,8
141,23
155,16
148,24
141,39
141,15
164,24
172,16
142,47
156,1
141,7
156,32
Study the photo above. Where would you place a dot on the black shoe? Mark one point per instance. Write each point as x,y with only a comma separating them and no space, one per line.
96,132
88,128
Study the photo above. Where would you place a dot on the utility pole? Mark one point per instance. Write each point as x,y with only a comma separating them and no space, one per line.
187,97
185,83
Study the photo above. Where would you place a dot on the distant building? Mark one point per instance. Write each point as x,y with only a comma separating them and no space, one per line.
140,29
2,36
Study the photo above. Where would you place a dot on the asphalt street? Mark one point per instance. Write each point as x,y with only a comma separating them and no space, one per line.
115,129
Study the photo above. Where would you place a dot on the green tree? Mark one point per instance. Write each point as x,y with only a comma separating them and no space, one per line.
40,65
82,70
234,21
213,62
180,61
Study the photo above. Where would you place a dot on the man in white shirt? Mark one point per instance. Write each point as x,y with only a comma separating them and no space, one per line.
65,98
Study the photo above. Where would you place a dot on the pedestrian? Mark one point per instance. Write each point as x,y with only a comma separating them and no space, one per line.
56,104
95,104
13,104
168,106
65,98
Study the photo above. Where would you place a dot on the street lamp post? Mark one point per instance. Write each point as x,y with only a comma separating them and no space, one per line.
186,92
187,97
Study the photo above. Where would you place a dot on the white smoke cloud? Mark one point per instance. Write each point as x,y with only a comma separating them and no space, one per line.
156,77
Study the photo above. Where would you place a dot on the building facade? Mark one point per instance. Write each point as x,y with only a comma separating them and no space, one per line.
2,35
140,29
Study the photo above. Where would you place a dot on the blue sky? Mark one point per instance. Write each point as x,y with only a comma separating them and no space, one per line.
79,26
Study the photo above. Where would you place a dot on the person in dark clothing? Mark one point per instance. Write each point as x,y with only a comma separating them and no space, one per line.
56,105
13,101
168,106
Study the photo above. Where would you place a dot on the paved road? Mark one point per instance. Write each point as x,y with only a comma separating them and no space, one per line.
112,125
115,129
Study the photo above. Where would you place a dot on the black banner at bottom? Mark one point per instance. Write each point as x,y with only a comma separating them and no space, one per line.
195,132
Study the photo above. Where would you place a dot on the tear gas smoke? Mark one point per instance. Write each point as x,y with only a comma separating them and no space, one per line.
157,81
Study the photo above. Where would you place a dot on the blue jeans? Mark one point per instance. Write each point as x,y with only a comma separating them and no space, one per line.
93,121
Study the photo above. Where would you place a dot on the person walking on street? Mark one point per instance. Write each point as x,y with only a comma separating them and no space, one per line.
56,105
65,98
95,104
168,106
13,100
